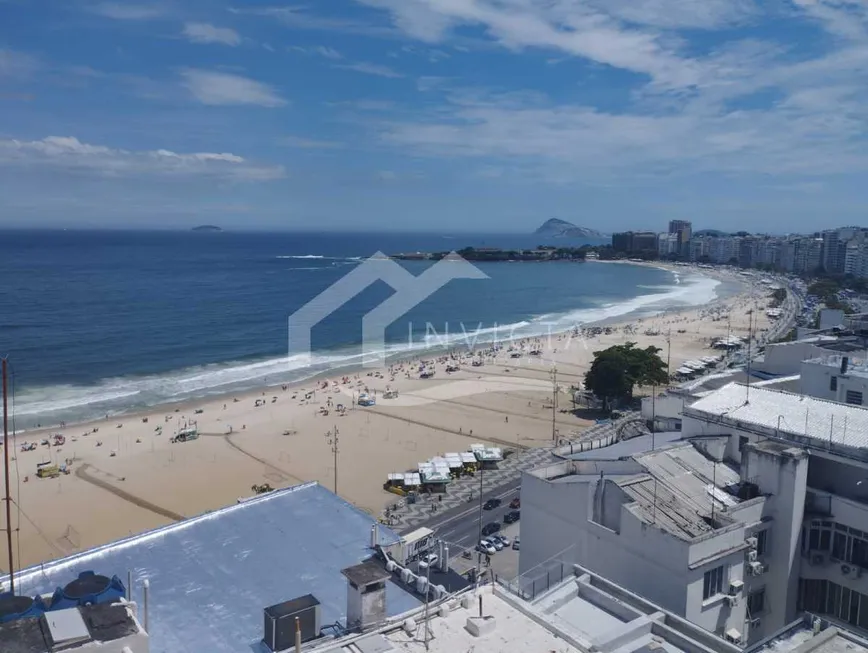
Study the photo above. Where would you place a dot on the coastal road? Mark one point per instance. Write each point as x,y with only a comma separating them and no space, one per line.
459,526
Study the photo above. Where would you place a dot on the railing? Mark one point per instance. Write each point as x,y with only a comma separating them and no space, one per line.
543,577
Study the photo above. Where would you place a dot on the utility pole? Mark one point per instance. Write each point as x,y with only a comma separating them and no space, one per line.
554,377
334,441
481,514
427,600
668,350
8,497
749,341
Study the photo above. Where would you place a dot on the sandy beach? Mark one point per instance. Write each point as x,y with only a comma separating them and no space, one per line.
126,475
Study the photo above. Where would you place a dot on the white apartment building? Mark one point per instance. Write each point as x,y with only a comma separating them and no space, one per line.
673,525
785,358
667,244
726,528
836,378
721,250
816,511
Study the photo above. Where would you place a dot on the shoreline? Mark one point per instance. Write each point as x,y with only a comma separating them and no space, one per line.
127,476
407,357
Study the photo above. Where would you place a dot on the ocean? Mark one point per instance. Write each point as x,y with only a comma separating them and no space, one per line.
106,322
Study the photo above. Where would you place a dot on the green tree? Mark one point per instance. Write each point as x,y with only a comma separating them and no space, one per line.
618,369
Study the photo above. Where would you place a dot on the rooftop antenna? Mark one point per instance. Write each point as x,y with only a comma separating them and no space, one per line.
749,342
8,497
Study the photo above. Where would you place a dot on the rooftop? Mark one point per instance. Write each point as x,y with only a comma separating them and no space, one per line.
71,629
235,562
855,367
711,382
582,613
673,486
799,637
787,416
681,489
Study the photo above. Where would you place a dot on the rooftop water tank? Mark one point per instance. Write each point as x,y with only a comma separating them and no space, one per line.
19,607
88,589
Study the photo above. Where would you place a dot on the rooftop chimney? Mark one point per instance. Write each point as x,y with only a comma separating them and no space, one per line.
845,362
366,594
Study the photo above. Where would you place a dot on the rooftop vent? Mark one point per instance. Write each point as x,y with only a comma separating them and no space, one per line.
19,607
280,624
88,589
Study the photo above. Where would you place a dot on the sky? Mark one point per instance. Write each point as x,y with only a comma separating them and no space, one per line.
433,115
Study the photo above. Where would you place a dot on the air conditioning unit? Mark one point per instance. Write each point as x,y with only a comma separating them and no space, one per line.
735,586
755,622
755,568
818,558
731,600
751,556
751,542
733,635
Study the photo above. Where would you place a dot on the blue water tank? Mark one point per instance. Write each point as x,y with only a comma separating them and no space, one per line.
19,607
88,589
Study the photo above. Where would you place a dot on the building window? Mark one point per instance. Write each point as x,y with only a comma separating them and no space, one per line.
712,583
761,542
756,602
826,597
853,397
833,384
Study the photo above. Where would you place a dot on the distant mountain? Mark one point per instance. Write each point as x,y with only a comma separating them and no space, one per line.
207,227
563,229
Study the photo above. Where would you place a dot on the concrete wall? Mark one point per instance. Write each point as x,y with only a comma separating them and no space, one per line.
816,381
785,358
782,475
665,406
609,539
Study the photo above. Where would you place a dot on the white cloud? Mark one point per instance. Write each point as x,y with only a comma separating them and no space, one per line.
129,11
69,153
16,64
371,69
207,33
216,88
318,50
310,143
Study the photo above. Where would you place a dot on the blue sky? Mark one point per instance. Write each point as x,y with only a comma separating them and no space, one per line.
432,115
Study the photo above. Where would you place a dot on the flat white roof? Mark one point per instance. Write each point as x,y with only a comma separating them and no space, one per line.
785,415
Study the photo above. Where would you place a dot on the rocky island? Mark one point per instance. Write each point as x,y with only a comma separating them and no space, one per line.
207,228
562,229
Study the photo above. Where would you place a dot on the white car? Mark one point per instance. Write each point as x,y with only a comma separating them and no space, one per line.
503,539
428,561
496,543
486,547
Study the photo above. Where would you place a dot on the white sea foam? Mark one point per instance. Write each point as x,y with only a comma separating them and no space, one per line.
73,403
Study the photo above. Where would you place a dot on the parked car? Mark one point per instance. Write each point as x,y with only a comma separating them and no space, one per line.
515,544
515,504
502,538
491,504
512,517
486,547
428,560
490,529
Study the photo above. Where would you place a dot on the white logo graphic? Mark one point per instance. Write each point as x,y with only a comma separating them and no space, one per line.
410,290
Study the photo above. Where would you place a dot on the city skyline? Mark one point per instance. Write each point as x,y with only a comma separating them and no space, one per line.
156,114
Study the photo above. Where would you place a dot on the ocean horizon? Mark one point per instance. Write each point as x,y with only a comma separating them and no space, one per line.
106,322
